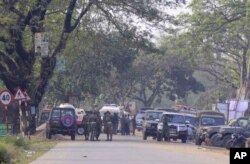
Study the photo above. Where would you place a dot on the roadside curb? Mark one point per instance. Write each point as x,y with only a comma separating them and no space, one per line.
211,147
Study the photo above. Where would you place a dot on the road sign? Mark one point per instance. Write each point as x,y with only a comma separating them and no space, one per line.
27,97
5,97
19,95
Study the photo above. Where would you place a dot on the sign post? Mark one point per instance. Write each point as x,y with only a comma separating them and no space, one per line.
5,99
19,96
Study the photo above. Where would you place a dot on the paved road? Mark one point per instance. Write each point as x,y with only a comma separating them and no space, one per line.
131,150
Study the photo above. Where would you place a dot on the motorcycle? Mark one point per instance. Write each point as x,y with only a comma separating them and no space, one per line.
238,140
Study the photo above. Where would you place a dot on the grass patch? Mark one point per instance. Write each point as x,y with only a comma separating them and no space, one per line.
23,150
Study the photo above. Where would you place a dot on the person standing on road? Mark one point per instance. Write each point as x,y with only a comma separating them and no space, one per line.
93,119
85,122
133,124
107,120
99,125
165,131
190,133
115,122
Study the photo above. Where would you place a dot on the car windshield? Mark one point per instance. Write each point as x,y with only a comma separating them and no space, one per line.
153,115
139,116
242,122
176,119
192,120
211,121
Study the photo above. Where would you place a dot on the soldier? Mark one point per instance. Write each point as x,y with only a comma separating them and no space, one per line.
115,122
165,131
99,125
85,122
107,120
93,119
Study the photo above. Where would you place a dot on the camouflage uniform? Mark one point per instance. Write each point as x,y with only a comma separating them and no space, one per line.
93,119
107,119
99,125
85,121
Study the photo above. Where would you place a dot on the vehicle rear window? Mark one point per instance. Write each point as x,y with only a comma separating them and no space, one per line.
62,111
55,113
67,111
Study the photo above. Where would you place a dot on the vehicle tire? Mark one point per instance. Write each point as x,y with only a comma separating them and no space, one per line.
73,136
225,139
229,144
184,140
80,130
48,135
216,140
159,137
198,141
144,135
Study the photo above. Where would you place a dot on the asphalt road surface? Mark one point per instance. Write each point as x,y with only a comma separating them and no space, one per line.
130,150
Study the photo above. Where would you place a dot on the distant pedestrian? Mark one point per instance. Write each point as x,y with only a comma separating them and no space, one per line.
133,124
107,120
115,122
190,133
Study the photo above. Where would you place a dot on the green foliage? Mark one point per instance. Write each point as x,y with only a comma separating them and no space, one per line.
22,142
4,154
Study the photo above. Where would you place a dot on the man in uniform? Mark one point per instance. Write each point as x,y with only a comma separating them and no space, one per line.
107,120
98,124
93,119
85,122
165,131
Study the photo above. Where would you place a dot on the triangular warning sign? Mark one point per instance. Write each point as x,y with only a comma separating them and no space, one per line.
27,97
19,95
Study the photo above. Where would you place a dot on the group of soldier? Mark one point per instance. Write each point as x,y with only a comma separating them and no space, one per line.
92,124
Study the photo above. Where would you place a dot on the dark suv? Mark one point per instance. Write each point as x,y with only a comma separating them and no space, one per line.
62,120
176,125
150,121
205,120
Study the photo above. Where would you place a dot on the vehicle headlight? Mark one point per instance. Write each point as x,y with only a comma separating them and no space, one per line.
181,128
160,126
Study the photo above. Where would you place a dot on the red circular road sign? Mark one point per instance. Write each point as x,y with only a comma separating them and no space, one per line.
5,97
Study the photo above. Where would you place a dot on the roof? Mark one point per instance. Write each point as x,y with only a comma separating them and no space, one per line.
153,111
172,113
114,109
66,105
209,112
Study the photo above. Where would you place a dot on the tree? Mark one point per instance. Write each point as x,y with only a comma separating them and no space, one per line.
105,54
217,38
159,75
21,20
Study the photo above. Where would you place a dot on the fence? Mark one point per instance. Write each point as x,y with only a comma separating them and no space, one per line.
6,129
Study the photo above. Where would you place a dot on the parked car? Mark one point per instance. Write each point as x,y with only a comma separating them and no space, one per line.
150,121
62,120
176,125
214,138
205,120
224,134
